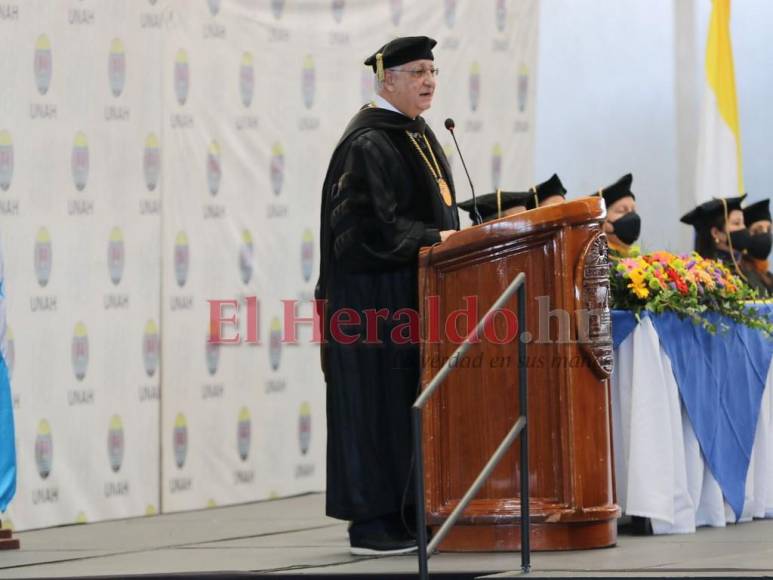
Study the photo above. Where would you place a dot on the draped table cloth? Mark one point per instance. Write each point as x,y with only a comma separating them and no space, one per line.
692,416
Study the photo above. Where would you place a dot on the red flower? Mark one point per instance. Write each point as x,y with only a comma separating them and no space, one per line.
680,284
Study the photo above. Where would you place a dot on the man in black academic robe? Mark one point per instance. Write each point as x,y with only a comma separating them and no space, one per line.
388,192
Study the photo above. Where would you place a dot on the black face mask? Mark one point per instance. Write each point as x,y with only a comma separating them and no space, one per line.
760,244
627,228
741,239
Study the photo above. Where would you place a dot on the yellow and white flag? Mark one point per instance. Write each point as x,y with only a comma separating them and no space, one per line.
718,164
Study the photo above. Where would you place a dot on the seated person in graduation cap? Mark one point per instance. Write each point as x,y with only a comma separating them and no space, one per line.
498,204
550,192
623,224
757,220
720,234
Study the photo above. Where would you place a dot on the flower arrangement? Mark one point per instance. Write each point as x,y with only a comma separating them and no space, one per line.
688,285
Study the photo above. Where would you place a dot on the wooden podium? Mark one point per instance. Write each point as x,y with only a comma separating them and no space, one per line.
563,252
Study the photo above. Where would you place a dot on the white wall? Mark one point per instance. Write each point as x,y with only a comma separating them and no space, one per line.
617,93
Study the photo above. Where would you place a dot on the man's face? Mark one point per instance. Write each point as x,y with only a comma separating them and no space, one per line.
615,211
410,87
621,207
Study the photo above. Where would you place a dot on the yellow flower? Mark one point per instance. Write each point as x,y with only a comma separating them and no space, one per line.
638,283
640,291
637,276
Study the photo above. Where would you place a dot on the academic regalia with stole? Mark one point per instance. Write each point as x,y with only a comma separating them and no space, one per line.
628,227
714,213
756,260
380,204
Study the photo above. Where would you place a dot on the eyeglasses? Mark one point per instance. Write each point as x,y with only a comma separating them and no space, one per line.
418,73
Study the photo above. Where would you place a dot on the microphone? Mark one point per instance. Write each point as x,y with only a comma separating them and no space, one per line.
475,214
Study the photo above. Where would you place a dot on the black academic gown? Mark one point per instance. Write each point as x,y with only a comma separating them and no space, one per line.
380,204
760,280
750,274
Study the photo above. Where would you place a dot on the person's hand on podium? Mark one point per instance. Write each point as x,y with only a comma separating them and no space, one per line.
445,234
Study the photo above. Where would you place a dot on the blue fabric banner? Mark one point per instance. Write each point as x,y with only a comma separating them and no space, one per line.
7,441
721,378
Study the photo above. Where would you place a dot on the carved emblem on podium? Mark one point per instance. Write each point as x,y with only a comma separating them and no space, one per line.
594,328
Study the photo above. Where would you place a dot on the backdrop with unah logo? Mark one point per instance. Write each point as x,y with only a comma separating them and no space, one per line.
156,155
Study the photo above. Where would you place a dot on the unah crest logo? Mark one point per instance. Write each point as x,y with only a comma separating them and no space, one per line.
500,14
182,78
396,7
212,352
150,347
243,434
450,13
44,449
308,81
180,440
246,255
307,254
116,67
10,351
214,7
523,87
275,343
277,7
151,161
115,255
304,428
6,160
43,64
277,168
338,9
181,258
246,79
80,161
43,257
474,86
496,166
115,443
80,351
214,168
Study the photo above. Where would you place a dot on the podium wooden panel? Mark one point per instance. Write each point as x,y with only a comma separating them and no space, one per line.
572,505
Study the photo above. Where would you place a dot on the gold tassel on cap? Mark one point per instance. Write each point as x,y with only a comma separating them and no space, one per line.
380,67
729,241
536,197
499,203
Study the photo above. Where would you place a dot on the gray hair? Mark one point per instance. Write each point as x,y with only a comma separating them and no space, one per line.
380,84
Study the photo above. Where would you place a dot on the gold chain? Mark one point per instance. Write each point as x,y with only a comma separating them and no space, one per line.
435,171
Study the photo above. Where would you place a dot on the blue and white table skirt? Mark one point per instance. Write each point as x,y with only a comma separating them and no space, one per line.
692,422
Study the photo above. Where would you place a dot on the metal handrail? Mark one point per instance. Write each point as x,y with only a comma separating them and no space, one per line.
519,428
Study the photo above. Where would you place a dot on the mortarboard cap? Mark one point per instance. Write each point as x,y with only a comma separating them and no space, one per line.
544,190
491,204
399,51
709,212
757,212
617,191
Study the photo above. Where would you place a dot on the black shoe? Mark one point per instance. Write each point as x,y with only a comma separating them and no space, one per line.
641,526
378,537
